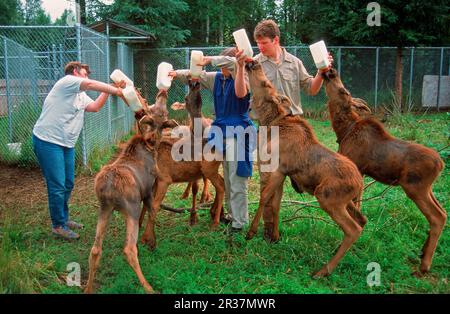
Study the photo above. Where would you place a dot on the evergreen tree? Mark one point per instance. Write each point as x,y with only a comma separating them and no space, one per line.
11,12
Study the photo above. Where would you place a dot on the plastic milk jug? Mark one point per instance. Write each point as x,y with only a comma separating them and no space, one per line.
130,95
320,54
163,81
242,42
118,76
196,57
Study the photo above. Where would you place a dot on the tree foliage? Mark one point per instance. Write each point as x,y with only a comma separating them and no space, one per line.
34,14
11,12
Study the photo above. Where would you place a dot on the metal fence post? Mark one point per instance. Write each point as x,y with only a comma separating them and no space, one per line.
441,65
186,59
107,79
339,60
22,81
34,83
8,92
54,67
61,62
411,71
377,57
83,133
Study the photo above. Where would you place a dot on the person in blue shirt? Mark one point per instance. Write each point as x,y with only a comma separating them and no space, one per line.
232,131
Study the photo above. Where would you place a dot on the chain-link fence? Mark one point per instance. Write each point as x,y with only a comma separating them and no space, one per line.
32,59
368,72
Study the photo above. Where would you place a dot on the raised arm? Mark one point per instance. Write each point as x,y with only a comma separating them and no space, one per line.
240,84
317,81
101,87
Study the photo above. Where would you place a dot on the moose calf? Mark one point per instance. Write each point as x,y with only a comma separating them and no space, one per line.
387,159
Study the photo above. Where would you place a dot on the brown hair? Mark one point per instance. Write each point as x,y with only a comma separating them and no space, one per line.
266,28
229,52
72,65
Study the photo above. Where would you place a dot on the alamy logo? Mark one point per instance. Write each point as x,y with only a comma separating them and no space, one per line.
191,146
374,277
74,276
374,17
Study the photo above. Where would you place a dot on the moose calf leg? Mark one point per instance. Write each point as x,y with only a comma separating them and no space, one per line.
436,218
186,191
193,219
352,230
273,183
96,251
206,196
130,251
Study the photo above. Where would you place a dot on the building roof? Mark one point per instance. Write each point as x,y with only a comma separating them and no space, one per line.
137,33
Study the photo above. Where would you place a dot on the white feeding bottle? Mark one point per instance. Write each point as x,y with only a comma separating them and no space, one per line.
118,76
196,58
320,54
133,101
163,81
242,42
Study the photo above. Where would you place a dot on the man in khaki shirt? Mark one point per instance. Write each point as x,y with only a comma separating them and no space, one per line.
288,75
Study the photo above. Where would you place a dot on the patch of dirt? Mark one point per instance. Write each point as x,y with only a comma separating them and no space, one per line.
26,186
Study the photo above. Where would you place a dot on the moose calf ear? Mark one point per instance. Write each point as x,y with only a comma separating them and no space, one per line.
139,114
266,83
344,91
169,124
178,106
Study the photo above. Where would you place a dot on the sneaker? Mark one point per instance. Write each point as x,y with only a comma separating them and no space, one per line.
225,220
74,225
65,233
232,230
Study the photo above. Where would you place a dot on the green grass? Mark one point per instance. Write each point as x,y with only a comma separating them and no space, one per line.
197,260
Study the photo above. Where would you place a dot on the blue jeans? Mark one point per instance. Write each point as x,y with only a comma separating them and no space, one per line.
58,167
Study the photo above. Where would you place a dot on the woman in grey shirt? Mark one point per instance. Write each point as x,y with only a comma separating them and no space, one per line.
55,134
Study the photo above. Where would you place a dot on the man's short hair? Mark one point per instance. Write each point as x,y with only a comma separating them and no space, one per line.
266,28
72,65
229,52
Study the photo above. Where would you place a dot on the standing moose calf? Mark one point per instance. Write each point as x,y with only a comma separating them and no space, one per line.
123,186
387,159
332,178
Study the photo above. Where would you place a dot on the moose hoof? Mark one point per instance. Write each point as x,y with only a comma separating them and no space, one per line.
193,221
321,273
250,235
268,233
149,290
213,226
418,274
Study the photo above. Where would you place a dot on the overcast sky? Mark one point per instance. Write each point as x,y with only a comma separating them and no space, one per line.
56,7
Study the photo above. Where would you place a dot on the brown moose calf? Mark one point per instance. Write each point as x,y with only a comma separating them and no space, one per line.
123,186
387,159
332,178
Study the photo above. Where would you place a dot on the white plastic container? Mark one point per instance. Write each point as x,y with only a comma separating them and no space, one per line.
242,42
130,95
15,149
163,81
118,76
196,57
320,54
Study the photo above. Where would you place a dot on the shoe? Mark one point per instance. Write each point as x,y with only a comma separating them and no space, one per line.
231,230
65,233
225,220
74,225
234,230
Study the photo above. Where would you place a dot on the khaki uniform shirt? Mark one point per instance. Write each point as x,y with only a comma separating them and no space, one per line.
288,77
